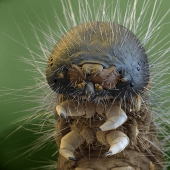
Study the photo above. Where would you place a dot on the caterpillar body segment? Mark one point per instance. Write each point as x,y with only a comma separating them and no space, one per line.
97,144
117,140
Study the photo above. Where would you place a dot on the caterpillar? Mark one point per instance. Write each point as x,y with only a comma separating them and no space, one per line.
105,81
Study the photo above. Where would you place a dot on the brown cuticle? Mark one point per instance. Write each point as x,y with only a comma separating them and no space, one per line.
108,78
76,76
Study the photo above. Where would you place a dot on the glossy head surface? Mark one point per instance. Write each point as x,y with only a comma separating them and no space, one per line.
98,59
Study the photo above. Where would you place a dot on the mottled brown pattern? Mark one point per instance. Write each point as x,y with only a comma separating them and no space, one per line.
108,78
142,153
75,75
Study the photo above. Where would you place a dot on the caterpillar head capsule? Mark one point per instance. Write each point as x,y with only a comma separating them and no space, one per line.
97,59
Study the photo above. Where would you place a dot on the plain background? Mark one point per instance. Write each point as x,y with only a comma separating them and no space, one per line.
14,16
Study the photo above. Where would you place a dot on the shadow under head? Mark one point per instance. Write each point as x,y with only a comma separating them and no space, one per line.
98,59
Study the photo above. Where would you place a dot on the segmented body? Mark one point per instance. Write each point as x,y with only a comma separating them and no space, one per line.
90,154
94,44
93,123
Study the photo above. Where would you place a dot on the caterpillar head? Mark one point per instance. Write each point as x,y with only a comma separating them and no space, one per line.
98,59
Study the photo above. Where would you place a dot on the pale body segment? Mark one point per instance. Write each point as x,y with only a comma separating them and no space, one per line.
115,118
